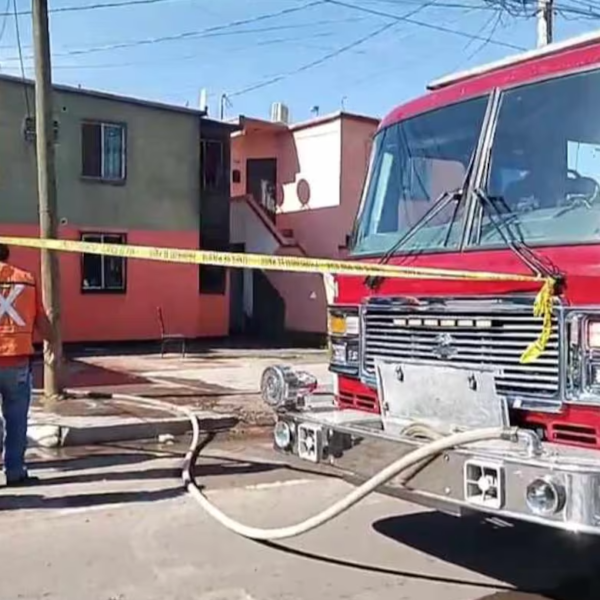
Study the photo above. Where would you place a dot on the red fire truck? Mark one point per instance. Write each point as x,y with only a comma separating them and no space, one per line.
493,169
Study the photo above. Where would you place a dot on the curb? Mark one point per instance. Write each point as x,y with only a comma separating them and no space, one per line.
83,431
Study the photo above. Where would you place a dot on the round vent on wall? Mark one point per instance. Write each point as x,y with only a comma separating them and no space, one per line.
303,192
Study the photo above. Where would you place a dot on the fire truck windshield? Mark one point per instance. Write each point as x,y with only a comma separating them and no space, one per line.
542,175
412,164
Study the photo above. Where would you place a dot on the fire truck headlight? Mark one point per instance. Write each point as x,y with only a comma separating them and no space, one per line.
593,335
282,434
545,496
284,387
340,322
343,327
274,386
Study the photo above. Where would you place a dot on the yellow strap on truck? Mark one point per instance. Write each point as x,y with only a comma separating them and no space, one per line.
301,264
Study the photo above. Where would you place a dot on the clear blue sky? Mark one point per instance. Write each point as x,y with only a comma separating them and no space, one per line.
368,78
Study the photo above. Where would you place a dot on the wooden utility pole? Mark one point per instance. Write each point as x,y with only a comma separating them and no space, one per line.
44,129
545,17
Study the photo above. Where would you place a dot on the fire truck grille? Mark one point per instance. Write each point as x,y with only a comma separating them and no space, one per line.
486,333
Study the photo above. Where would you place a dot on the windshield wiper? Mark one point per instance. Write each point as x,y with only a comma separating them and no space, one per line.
443,200
542,266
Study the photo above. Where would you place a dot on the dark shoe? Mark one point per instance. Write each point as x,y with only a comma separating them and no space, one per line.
23,481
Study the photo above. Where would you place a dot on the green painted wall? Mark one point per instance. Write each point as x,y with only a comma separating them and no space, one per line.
162,188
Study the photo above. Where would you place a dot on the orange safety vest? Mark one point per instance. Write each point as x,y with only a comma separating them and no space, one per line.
18,309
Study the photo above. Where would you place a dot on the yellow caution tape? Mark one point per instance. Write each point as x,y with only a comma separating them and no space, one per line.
542,308
301,264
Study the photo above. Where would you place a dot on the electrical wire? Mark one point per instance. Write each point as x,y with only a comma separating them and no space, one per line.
88,7
23,75
312,64
424,24
405,65
206,32
231,52
487,41
5,16
330,55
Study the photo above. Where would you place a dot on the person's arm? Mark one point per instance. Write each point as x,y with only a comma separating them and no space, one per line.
42,322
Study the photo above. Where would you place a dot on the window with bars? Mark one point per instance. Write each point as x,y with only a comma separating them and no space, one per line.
103,151
105,274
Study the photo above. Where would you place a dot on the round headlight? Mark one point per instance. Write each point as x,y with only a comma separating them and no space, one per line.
273,386
282,434
545,496
284,387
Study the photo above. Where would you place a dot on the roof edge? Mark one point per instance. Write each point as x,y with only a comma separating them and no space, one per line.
57,87
515,59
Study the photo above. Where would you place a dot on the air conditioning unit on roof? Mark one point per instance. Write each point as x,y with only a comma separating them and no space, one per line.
280,113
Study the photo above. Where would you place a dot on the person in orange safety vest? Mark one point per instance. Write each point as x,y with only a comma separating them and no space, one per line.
21,313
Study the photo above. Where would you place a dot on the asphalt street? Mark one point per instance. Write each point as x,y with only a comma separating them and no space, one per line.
113,524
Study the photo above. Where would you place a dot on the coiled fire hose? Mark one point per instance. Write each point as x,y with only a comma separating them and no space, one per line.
422,453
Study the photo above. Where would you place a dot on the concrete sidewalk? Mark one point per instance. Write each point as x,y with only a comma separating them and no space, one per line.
222,389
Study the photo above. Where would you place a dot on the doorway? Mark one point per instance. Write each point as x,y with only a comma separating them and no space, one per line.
261,183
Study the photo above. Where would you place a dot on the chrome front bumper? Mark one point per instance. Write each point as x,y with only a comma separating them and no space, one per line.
357,445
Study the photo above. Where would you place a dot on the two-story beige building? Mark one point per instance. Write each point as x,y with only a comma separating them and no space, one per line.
128,171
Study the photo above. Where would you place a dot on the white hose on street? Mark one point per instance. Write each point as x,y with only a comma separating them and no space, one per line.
385,475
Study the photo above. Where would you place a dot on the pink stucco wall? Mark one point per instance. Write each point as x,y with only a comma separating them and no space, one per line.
321,169
251,145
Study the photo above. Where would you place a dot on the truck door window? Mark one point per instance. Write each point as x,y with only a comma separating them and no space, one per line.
584,158
545,163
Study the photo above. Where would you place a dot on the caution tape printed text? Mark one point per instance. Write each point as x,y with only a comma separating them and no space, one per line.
542,309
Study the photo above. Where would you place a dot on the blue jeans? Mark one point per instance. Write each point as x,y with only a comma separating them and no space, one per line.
15,389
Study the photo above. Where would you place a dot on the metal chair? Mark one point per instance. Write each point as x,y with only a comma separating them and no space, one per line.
166,338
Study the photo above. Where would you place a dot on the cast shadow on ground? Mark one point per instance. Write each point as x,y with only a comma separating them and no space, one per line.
532,559
93,461
524,557
83,375
378,570
201,471
37,502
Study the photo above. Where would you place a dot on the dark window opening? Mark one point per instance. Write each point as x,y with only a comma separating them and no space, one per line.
213,280
212,159
103,151
214,235
103,273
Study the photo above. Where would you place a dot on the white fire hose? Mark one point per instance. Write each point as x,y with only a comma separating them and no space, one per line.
424,452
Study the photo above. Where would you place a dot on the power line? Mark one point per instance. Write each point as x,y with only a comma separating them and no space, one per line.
88,7
216,34
405,66
5,19
207,32
441,28
314,63
23,76
329,55
489,37
194,55
437,4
